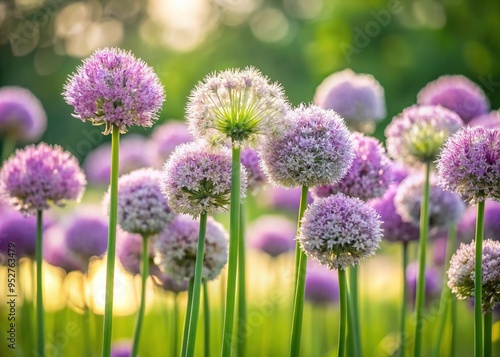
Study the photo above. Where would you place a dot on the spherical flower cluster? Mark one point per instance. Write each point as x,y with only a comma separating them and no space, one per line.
370,173
490,120
321,286
250,159
466,229
38,175
165,138
315,149
87,235
432,281
284,198
469,164
236,106
456,93
461,274
129,251
175,249
57,253
358,98
399,172
142,208
114,88
273,235
445,208
165,282
418,133
339,231
395,229
197,179
22,116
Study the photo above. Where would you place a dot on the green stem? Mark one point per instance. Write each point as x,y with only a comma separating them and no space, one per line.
87,349
234,228
403,303
343,312
142,306
488,322
206,319
198,270
452,326
9,144
242,305
353,325
175,328
110,263
300,279
422,248
187,317
478,282
39,286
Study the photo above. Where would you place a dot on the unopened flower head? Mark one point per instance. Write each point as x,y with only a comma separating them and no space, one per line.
142,208
490,120
339,231
469,164
272,234
466,229
129,251
114,88
22,116
250,159
175,249
315,149
165,138
461,274
456,93
321,285
236,106
197,179
39,175
370,173
87,235
418,133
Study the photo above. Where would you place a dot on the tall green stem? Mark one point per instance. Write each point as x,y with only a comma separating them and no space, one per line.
343,312
198,270
242,305
234,228
422,249
488,322
403,303
175,328
110,262
353,325
453,325
9,144
39,286
142,305
478,282
300,284
206,320
187,317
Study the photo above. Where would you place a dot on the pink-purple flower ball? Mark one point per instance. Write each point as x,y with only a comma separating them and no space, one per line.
167,283
281,198
114,88
272,234
22,116
339,231
321,286
456,93
250,159
166,137
469,164
86,234
432,281
57,253
490,120
466,229
314,149
129,251
37,176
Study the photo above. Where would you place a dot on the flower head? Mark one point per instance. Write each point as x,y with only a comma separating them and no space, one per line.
370,173
167,283
129,250
197,179
466,229
250,159
284,198
314,149
461,274
273,235
22,116
339,231
469,164
165,138
432,281
418,133
39,175
236,106
321,285
86,235
456,93
175,249
57,253
490,120
113,87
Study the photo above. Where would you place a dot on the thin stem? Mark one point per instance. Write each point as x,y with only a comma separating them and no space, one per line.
39,286
478,282
242,304
87,342
452,326
488,322
422,248
343,312
9,144
198,270
353,325
403,303
300,279
110,263
142,306
206,319
175,328
234,228
187,317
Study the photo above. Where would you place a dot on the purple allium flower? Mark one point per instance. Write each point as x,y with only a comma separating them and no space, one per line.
399,172
370,173
236,106
57,253
113,87
456,93
358,98
197,179
339,231
469,164
445,207
250,159
22,116
165,138
165,282
490,120
284,198
395,229
38,175
432,281
321,285
272,234
315,149
129,250
439,248
175,249
462,272
86,235
121,349
418,133
466,229
142,208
